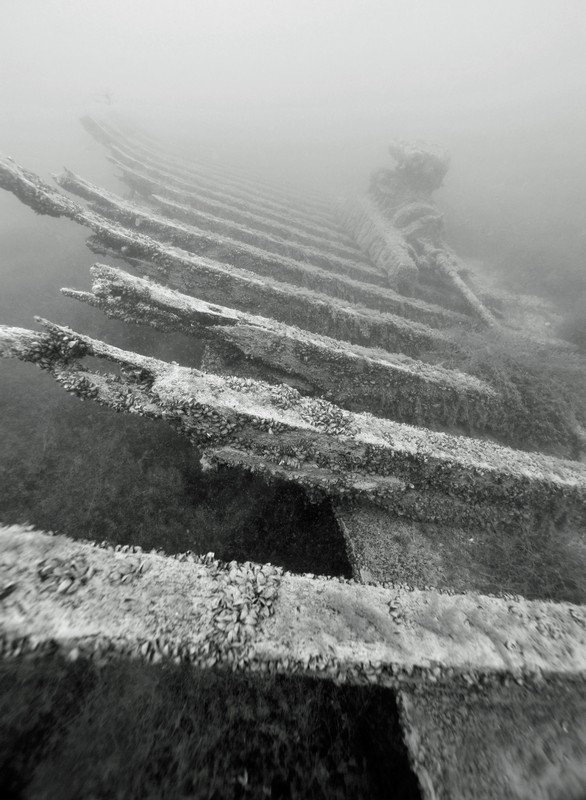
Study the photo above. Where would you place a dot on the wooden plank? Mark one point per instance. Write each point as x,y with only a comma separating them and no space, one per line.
145,185
246,256
356,378
106,602
338,260
217,189
385,245
237,180
209,224
218,283
273,430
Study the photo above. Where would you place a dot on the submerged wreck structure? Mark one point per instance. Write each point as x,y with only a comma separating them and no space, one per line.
338,351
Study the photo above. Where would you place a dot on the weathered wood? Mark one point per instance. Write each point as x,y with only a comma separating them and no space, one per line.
246,184
383,243
356,265
245,256
207,228
292,305
273,430
448,266
218,283
214,189
415,233
140,182
497,743
495,688
256,617
355,378
446,555
475,675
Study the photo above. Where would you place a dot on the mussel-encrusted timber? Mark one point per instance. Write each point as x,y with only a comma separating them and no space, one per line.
401,227
140,181
384,244
202,191
357,266
498,673
225,230
219,283
240,183
354,377
414,472
71,593
394,253
246,256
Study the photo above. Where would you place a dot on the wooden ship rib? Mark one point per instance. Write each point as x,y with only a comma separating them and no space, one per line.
330,335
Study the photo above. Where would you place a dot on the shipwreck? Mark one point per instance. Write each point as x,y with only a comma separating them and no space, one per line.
341,354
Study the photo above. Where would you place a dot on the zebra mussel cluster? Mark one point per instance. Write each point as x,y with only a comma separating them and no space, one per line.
77,384
327,417
102,650
128,570
64,575
201,419
244,595
15,646
55,347
136,374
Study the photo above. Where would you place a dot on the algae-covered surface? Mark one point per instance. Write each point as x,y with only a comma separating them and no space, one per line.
545,564
72,729
498,743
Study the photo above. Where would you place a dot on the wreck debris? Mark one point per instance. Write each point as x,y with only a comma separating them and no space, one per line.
340,261
448,266
414,473
209,174
244,256
144,184
217,283
382,242
401,228
293,309
473,673
354,377
146,176
256,616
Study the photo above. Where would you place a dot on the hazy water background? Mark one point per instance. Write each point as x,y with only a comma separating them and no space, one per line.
303,93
